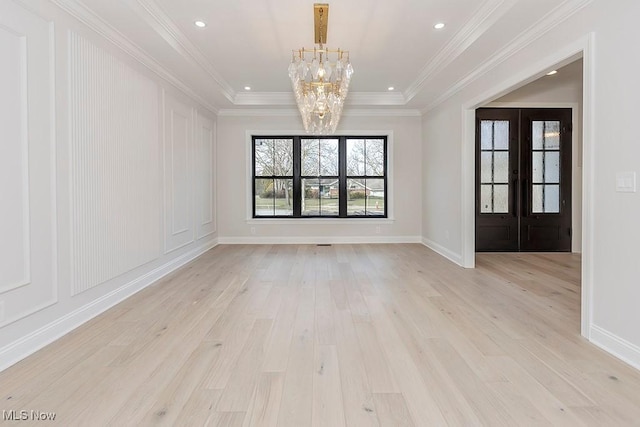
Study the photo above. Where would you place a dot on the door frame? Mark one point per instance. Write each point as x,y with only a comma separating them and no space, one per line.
581,48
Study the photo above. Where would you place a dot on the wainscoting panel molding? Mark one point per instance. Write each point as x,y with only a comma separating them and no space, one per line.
28,275
178,133
205,134
14,164
115,173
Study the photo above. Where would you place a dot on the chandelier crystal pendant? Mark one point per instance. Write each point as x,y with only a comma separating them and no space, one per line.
320,79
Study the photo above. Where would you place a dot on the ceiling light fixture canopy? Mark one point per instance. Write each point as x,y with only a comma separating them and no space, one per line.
320,79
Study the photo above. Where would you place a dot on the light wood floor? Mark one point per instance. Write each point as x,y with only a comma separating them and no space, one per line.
358,335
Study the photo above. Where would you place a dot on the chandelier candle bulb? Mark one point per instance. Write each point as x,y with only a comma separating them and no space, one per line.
320,78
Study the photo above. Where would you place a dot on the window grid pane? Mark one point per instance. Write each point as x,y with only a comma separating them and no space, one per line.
320,197
283,197
374,157
375,197
365,165
264,200
263,158
273,157
310,196
310,152
328,157
355,157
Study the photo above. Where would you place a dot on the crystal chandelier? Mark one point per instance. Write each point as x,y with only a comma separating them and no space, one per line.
320,79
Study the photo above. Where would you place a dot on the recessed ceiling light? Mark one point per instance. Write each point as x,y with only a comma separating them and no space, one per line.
390,88
200,24
439,26
247,88
551,73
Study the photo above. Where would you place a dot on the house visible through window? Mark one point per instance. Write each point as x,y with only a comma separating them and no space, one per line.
340,177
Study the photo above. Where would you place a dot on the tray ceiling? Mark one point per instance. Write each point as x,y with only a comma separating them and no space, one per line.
249,43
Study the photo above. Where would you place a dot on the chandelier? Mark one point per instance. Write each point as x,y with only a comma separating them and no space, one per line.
320,79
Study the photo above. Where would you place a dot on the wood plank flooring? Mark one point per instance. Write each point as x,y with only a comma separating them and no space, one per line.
342,335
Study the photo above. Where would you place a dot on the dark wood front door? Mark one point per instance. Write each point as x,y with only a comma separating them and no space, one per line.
523,179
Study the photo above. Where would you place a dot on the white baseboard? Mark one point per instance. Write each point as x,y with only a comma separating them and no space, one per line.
450,255
312,240
618,347
29,344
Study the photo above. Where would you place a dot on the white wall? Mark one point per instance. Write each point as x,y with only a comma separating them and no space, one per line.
61,188
107,176
610,269
561,90
235,225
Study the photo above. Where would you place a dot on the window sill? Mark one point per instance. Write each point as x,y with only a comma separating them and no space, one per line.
318,221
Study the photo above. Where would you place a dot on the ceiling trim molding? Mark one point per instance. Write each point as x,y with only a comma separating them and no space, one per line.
265,98
486,15
375,98
292,112
171,33
258,112
287,98
382,112
549,21
88,17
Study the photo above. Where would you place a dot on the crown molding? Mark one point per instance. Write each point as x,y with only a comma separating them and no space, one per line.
287,98
264,98
293,112
171,33
382,112
258,112
485,17
375,98
556,16
88,17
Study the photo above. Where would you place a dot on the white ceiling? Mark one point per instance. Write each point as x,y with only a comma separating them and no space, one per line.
391,43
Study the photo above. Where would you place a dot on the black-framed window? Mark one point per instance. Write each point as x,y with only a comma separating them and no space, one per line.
328,176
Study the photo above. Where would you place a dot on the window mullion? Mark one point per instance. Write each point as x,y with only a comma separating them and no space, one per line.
342,177
384,172
253,174
297,182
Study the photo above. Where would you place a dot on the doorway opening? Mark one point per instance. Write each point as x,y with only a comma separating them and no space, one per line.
579,52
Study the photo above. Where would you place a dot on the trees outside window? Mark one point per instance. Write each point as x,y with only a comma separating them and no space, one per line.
299,176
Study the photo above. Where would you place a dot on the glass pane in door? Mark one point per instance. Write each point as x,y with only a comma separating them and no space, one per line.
546,198
486,199
500,199
501,167
546,135
545,166
494,166
552,167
